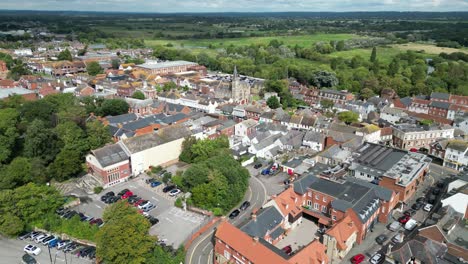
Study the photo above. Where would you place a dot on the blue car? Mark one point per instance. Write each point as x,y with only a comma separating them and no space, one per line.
54,242
265,171
155,184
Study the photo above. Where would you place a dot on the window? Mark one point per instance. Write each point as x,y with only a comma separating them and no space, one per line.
316,206
317,197
227,255
309,203
383,209
324,199
324,208
334,218
310,194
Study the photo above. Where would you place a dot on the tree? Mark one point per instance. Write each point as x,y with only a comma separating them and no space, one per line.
169,86
94,68
327,104
373,56
17,173
114,107
273,102
324,79
98,134
187,155
394,67
8,132
67,164
366,93
340,45
65,55
41,142
11,224
138,95
348,117
39,109
124,238
115,64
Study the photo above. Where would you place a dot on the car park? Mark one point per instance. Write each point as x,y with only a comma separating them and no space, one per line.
40,238
411,224
155,184
24,235
421,200
28,259
46,241
410,212
53,242
33,250
244,205
287,249
122,192
398,238
142,203
70,247
377,258
394,226
127,194
84,252
357,259
428,207
381,239
149,207
234,214
168,188
432,199
174,192
153,220
62,244
35,234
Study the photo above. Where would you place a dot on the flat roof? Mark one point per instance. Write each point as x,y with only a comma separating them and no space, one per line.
159,65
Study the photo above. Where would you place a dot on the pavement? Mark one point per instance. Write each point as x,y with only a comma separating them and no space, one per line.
300,236
175,224
201,249
11,251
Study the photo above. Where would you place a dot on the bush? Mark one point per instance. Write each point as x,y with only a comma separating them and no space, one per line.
179,203
156,169
98,189
166,177
218,211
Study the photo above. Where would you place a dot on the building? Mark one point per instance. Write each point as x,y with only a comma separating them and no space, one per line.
240,89
411,136
3,70
337,97
392,115
110,164
456,155
29,95
340,238
164,68
245,128
394,169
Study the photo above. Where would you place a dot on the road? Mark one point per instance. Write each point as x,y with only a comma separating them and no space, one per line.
201,250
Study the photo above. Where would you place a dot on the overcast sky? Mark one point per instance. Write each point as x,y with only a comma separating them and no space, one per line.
171,6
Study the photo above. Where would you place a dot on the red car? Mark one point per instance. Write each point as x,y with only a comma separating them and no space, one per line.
127,194
358,259
404,219
139,202
287,249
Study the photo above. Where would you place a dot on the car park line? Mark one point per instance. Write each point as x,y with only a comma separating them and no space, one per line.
169,220
155,198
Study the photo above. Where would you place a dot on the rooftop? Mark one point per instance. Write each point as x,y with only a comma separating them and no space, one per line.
110,155
159,65
164,135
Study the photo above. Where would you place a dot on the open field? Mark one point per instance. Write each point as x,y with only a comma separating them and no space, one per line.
428,48
384,54
304,40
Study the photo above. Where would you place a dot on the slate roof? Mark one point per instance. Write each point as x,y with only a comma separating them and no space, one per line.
122,119
293,163
442,96
313,136
267,219
164,135
406,101
267,142
377,159
423,249
110,155
441,105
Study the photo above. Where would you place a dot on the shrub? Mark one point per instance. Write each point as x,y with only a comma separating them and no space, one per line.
98,189
178,203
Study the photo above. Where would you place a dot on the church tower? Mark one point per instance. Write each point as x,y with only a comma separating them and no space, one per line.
240,90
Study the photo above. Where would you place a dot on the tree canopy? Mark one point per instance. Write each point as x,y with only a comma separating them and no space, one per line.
138,95
273,102
65,55
94,68
348,117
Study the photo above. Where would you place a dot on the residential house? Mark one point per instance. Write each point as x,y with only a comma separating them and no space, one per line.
393,115
337,97
437,149
165,68
398,170
456,155
411,136
438,108
139,107
386,135
28,95
264,147
245,128
461,122
292,140
419,106
314,140
340,238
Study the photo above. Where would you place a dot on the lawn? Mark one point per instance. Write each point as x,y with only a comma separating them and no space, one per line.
427,48
384,54
304,40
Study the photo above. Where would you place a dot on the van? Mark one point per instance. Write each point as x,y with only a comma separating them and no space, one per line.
394,226
411,224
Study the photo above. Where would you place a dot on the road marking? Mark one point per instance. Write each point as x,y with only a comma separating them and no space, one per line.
264,190
205,247
199,259
98,206
169,220
155,198
210,257
198,244
131,186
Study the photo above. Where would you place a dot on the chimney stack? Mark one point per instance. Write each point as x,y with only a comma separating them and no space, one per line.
255,239
254,217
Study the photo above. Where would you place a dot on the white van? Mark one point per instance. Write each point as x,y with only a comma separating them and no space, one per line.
394,226
411,224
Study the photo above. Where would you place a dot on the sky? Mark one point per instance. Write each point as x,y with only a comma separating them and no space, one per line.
176,6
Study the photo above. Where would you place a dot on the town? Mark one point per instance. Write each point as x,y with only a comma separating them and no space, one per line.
109,148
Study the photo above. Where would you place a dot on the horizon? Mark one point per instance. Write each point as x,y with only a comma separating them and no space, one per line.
240,6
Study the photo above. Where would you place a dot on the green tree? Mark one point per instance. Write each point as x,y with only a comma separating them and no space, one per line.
8,132
324,79
94,68
373,56
15,174
65,55
273,102
11,224
187,155
138,95
340,45
348,117
394,67
115,64
327,104
124,238
39,109
40,142
169,86
113,107
98,134
366,93
66,165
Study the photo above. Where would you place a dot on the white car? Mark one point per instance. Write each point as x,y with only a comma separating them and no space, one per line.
428,207
40,238
63,244
143,205
33,250
174,192
411,224
377,258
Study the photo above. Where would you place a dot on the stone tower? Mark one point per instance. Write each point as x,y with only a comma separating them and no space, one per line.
240,89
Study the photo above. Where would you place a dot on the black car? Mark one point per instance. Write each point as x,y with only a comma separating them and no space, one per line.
122,192
153,220
84,252
440,185
149,181
435,191
28,259
421,200
168,188
410,212
133,199
92,254
244,205
258,166
70,247
109,194
417,206
70,214
112,199
234,214
432,199
381,239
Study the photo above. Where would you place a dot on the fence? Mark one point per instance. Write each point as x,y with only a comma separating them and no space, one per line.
204,226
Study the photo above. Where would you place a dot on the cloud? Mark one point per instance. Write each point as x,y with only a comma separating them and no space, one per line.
237,5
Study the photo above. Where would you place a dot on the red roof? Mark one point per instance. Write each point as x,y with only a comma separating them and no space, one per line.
420,101
342,231
7,83
437,119
386,131
398,104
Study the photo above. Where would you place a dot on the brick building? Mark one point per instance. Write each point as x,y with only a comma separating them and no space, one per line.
337,97
169,67
3,70
410,136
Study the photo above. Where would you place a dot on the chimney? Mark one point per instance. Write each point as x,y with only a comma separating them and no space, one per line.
255,239
254,217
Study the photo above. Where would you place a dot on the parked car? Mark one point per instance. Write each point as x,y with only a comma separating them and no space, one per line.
53,242
24,235
127,194
417,206
28,259
410,212
149,207
449,225
35,234
411,224
142,203
153,220
46,241
381,239
287,249
394,226
357,259
404,219
432,199
137,203
62,244
70,247
168,188
60,211
244,205
40,238
265,171
174,192
113,199
234,214
122,192
97,221
377,258
33,250
428,207
421,200
149,181
70,214
84,252
398,238
155,184
440,185
435,191
133,199
257,166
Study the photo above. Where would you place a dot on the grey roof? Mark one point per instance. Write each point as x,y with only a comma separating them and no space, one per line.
7,92
122,119
110,155
277,232
271,127
174,107
423,249
161,65
313,136
164,135
441,105
267,219
293,163
293,138
406,101
267,142
442,96
173,118
377,157
361,196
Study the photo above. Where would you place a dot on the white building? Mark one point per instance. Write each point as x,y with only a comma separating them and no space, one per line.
245,128
456,155
23,52
392,115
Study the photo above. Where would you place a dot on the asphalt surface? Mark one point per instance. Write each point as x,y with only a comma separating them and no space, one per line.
11,251
201,250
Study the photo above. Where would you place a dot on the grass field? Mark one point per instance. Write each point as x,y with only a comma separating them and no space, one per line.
427,48
384,54
305,40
